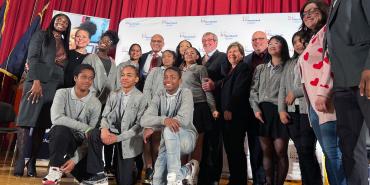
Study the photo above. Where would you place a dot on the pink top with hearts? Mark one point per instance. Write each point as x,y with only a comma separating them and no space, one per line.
316,75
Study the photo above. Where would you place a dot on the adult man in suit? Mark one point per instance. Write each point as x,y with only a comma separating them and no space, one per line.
257,57
348,44
260,54
213,60
150,59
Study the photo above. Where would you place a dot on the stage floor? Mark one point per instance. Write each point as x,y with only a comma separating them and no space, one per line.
7,178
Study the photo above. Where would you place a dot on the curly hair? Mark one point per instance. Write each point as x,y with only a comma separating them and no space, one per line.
88,26
112,35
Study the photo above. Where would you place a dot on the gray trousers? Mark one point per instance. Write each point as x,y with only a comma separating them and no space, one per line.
352,110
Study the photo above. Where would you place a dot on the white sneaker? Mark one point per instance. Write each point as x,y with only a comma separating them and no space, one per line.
192,177
171,179
53,177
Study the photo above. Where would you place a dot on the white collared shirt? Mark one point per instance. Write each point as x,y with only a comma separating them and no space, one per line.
149,60
124,97
273,68
211,53
79,102
171,102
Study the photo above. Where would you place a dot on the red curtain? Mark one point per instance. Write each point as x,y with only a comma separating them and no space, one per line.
20,11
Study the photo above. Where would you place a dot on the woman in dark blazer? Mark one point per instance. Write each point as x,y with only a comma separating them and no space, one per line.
47,57
235,106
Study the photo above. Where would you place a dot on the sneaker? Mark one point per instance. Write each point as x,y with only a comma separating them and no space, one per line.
192,177
98,179
171,179
149,172
53,177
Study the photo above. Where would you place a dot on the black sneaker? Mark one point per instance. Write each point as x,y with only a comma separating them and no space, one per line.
98,179
149,172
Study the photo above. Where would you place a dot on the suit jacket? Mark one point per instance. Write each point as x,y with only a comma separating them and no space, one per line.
235,90
41,60
348,41
216,66
248,59
130,137
143,76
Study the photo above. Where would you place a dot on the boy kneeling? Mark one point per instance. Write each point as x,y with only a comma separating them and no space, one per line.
119,126
74,113
172,110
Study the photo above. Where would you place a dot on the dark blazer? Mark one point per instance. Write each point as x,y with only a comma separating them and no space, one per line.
235,90
142,76
348,41
216,66
248,59
41,60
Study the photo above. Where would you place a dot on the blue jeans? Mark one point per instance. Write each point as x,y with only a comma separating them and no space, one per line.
328,139
172,146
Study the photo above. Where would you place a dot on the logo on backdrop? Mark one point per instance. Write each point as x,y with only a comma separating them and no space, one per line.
132,23
228,36
208,21
145,36
187,36
251,20
294,19
169,23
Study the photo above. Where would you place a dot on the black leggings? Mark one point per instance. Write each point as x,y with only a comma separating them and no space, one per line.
275,159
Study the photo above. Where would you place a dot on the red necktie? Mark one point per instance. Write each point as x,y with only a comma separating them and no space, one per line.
154,61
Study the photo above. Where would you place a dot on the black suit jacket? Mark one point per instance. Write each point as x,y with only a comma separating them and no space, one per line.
216,65
235,91
248,59
348,41
142,76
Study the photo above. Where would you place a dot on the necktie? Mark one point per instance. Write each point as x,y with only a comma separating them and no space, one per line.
154,61
205,59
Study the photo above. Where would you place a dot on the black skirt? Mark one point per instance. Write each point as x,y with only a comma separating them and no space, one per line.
272,127
202,118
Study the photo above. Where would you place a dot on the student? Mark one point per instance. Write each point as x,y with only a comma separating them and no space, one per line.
204,103
74,112
119,127
264,100
292,107
171,110
104,65
153,83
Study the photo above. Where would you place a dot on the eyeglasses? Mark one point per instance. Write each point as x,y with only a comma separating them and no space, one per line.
310,12
156,41
106,41
207,40
260,38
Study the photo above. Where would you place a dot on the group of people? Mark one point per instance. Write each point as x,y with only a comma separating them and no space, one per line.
174,111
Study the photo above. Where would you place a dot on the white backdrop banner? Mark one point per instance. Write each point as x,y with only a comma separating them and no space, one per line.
228,28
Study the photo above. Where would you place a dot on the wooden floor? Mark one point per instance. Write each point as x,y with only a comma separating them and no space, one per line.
7,178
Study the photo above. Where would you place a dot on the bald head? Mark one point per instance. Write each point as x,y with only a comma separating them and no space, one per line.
259,42
157,42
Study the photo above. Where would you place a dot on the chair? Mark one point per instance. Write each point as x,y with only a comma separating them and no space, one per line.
7,116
